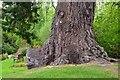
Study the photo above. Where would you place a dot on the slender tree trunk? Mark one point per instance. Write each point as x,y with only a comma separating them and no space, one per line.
72,40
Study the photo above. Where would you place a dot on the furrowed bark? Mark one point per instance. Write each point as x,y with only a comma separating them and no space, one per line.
71,40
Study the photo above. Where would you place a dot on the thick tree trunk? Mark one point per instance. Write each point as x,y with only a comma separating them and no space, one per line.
72,40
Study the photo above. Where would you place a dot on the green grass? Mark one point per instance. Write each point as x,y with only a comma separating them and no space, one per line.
116,64
83,71
7,69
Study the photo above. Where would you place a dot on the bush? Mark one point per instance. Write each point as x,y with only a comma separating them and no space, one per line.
106,29
20,64
24,51
0,57
8,49
3,56
10,44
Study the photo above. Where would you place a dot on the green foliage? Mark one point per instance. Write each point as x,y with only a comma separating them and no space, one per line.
0,40
0,57
10,43
106,28
17,18
24,51
42,28
3,56
28,21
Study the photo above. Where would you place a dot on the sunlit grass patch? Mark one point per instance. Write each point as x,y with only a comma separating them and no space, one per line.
79,71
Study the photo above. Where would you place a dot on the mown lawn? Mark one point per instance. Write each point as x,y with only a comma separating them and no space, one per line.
81,71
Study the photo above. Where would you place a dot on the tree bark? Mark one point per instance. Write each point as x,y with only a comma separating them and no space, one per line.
71,40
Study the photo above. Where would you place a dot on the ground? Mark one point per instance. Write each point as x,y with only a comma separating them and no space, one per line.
87,70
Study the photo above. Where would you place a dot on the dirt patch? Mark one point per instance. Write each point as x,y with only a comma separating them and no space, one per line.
17,66
84,64
106,65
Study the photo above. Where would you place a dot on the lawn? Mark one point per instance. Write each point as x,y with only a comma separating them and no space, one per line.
80,71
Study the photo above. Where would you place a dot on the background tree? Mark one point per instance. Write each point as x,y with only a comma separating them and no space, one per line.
30,24
17,18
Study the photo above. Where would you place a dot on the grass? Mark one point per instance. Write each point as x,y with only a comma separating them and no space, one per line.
7,69
83,71
117,65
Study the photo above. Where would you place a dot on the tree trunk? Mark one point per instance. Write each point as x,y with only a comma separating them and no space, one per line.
72,40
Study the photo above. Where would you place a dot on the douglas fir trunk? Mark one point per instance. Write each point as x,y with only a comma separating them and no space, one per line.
72,40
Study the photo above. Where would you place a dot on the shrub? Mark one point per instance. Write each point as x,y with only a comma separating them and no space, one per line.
36,46
106,29
20,64
24,51
3,56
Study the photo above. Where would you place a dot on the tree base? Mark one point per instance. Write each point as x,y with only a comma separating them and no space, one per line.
42,56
